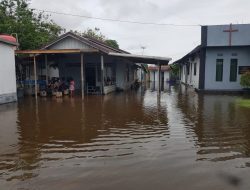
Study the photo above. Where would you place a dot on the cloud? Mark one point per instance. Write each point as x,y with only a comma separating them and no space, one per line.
159,40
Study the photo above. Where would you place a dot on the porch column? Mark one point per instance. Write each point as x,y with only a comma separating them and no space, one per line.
82,76
159,77
35,77
102,74
46,69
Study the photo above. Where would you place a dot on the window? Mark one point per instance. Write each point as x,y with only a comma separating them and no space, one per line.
195,65
233,70
188,69
219,69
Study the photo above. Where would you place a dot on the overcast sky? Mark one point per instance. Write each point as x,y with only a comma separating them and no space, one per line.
170,41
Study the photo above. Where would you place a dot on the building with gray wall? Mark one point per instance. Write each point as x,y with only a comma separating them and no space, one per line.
219,61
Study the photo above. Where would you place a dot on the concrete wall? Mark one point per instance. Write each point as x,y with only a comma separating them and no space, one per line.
121,75
7,74
191,79
216,36
154,76
243,56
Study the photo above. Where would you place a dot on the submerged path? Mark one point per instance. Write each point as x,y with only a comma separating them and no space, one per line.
126,141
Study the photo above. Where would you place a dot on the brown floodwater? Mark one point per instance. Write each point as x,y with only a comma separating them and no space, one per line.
133,140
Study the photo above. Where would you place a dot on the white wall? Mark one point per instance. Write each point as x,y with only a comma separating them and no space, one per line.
156,77
69,43
121,75
217,37
7,70
243,56
191,79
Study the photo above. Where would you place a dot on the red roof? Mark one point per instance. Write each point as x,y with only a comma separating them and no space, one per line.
8,39
163,68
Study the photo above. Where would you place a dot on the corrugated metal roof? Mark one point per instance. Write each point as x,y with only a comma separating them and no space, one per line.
143,58
163,68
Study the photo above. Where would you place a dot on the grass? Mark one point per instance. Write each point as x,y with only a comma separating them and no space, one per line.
244,102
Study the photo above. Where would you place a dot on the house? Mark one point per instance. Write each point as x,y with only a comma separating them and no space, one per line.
7,69
96,67
154,73
219,61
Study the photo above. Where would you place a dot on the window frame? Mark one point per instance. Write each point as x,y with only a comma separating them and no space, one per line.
219,70
233,72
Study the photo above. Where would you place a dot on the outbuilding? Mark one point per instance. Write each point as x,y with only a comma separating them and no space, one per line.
95,67
8,93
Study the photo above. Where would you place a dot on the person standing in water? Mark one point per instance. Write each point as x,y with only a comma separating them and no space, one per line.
72,87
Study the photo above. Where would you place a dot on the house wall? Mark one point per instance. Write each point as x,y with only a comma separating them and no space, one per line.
7,74
69,66
155,77
121,75
227,53
191,79
69,43
217,37
183,74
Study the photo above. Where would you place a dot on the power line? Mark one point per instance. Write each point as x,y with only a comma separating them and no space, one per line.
121,21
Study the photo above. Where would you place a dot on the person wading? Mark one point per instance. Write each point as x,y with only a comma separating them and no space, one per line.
72,87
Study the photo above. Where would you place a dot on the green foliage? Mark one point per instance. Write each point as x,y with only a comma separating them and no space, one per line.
33,29
245,80
112,43
244,103
96,34
175,69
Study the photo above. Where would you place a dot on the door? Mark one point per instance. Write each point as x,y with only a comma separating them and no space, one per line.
91,76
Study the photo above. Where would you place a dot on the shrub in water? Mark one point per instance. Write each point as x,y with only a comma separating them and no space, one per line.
245,80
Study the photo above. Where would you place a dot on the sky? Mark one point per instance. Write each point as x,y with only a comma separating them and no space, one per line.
158,40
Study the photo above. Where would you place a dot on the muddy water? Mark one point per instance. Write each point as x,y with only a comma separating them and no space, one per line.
126,141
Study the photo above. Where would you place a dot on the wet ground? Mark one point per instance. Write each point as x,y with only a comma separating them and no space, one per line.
128,140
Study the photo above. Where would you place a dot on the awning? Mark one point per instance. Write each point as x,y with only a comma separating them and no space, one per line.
143,58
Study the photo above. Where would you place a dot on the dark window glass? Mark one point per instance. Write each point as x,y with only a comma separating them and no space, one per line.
219,69
233,70
195,65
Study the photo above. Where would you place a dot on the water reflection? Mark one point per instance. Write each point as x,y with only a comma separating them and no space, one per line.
126,140
110,126
220,125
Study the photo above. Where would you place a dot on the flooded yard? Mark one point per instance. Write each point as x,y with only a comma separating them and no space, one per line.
132,140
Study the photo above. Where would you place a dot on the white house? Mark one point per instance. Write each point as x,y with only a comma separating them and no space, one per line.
217,64
154,73
95,67
7,69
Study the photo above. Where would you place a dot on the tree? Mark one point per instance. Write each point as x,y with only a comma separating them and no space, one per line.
112,43
175,69
33,29
96,34
245,80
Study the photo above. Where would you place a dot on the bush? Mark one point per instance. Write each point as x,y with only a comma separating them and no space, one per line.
245,80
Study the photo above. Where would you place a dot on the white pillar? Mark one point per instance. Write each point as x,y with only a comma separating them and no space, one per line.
102,74
159,77
82,77
35,77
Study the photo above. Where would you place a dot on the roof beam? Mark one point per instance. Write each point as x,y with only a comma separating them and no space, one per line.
55,51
